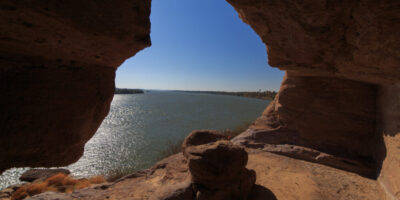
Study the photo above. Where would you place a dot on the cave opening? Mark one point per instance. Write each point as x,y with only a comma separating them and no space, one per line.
189,52
338,104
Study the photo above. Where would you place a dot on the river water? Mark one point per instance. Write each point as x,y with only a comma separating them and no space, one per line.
140,127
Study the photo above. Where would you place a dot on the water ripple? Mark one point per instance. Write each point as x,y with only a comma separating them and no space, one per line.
139,127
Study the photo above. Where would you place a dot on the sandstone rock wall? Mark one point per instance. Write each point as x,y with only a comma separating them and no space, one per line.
57,70
353,39
340,94
389,125
338,104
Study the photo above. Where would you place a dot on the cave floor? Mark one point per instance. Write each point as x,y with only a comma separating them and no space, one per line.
290,179
278,177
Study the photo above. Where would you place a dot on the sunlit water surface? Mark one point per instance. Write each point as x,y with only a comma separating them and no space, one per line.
140,126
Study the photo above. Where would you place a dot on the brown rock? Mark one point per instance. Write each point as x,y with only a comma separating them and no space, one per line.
389,125
301,180
7,191
354,40
215,162
178,191
16,186
50,196
217,167
199,137
166,179
325,116
58,62
340,94
34,174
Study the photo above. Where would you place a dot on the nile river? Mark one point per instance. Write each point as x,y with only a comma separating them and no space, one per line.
141,126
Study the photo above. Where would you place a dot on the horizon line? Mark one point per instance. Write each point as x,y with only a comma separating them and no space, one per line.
199,90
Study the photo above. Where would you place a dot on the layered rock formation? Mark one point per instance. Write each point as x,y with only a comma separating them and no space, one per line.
332,120
58,62
338,99
338,105
346,39
278,177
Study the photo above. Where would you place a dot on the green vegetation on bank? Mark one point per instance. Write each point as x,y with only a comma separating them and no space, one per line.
174,147
267,95
128,91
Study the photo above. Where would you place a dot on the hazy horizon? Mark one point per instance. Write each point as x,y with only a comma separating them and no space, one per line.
198,90
199,46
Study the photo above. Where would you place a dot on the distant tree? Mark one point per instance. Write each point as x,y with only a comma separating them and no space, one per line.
128,91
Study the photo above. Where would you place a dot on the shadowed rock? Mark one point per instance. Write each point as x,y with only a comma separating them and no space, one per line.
51,196
340,97
217,167
178,191
34,174
58,62
340,94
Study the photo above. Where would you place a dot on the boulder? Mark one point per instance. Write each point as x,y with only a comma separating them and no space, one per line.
199,137
35,174
217,167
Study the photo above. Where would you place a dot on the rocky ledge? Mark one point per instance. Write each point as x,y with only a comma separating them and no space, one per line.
283,178
211,167
338,105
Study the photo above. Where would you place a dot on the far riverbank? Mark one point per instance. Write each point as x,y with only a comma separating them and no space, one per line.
265,95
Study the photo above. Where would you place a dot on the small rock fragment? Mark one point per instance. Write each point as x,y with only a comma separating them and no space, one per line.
7,191
50,196
35,174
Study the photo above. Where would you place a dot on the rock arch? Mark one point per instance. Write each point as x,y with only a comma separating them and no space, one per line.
338,105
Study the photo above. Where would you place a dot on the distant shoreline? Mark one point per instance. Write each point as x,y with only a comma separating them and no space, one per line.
265,95
128,91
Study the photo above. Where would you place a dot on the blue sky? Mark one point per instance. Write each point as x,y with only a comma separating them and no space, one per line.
199,45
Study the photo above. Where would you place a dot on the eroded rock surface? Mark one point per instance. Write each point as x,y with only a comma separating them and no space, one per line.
347,39
58,62
326,120
283,178
337,104
217,167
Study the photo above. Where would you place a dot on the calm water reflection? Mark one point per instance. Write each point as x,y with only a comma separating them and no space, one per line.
140,126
